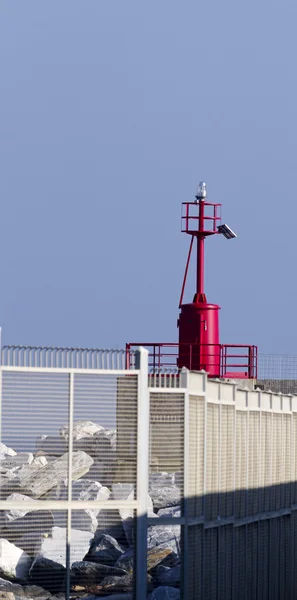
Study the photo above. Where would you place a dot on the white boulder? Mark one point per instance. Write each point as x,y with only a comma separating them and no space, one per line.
14,563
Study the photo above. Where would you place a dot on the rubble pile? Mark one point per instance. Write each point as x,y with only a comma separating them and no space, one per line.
35,546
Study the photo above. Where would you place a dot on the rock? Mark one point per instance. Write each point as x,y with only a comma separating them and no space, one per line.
163,554
7,596
171,511
85,520
150,509
31,542
50,444
110,523
111,434
48,572
161,479
167,576
165,497
116,583
11,515
106,438
119,597
163,490
16,461
85,571
106,550
33,467
50,562
83,490
86,490
36,523
103,472
54,547
34,592
8,484
126,560
26,592
5,451
125,491
123,596
158,535
165,593
55,472
179,479
81,429
101,446
14,563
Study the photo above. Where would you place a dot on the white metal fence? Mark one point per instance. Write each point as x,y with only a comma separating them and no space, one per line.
116,481
73,470
65,357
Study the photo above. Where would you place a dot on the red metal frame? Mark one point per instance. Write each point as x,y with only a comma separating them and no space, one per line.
237,361
197,222
194,223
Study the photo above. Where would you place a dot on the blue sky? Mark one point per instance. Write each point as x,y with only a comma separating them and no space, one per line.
111,112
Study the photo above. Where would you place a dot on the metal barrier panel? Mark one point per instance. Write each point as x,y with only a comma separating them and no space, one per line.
241,493
110,486
167,491
278,373
65,357
73,480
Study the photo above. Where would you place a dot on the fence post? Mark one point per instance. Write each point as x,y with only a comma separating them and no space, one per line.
143,423
69,496
184,380
0,384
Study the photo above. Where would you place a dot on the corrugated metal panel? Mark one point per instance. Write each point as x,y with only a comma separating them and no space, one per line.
225,562
195,574
196,456
265,462
210,564
212,461
241,458
253,463
227,461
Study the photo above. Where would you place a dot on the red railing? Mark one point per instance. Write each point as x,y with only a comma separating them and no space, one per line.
234,361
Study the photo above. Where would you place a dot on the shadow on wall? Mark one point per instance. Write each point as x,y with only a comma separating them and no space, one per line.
242,544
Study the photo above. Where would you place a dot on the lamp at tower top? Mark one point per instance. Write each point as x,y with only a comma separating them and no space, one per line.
201,191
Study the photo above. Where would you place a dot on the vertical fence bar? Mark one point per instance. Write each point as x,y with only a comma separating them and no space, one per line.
0,403
143,422
205,390
184,384
0,384
69,497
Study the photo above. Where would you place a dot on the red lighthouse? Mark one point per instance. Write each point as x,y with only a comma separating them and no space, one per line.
199,338
199,347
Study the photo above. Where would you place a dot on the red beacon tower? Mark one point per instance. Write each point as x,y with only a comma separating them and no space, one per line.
199,347
199,337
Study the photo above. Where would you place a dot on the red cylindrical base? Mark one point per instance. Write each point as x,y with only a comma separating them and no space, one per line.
199,338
